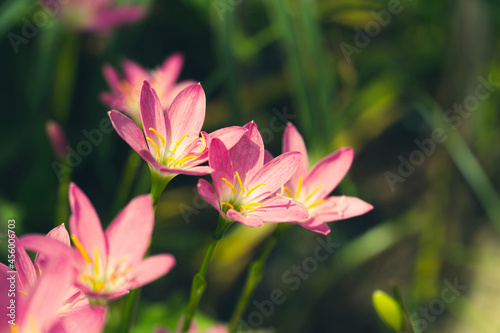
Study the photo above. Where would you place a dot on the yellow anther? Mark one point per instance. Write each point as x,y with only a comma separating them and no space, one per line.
247,207
98,286
179,163
40,271
255,187
299,187
187,158
288,192
255,204
204,143
179,142
170,159
315,204
228,184
22,292
159,135
155,146
88,277
313,192
96,261
241,183
227,204
80,248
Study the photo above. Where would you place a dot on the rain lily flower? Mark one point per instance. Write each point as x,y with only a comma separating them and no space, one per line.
57,139
245,186
95,15
110,263
170,141
311,188
40,311
124,94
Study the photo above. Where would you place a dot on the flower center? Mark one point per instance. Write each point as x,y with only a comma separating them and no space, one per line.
239,204
306,202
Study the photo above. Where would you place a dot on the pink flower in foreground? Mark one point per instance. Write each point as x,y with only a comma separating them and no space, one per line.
124,95
109,264
311,188
170,141
244,185
40,311
94,15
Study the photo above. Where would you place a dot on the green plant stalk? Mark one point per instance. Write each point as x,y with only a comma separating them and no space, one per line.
199,282
158,184
254,276
62,208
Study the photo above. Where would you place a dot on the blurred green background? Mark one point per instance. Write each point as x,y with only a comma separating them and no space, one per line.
325,66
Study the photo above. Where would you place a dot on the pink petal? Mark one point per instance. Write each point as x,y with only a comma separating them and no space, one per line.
207,192
109,18
50,248
84,222
186,116
228,135
328,173
169,96
130,232
268,157
279,209
151,269
84,320
60,234
134,72
274,174
293,141
316,224
342,207
250,220
111,77
25,268
220,161
247,154
153,117
170,71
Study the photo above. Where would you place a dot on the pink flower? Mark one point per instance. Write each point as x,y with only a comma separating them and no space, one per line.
95,15
57,139
244,185
40,311
170,141
109,264
311,188
124,95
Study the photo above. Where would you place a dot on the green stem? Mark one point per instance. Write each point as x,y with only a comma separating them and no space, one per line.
62,208
254,277
199,282
158,184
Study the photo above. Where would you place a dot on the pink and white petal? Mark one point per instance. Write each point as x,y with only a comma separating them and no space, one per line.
84,222
129,234
168,96
250,220
228,135
207,192
186,116
328,173
25,269
342,207
82,320
293,141
220,161
111,76
114,100
190,171
108,18
129,131
278,209
274,174
59,233
151,269
134,73
50,248
153,118
247,154
317,224
6,277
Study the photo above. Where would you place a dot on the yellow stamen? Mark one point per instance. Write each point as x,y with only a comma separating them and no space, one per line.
227,204
299,187
241,183
187,158
204,143
247,207
155,146
288,192
171,159
255,204
312,193
255,187
40,271
80,248
159,135
179,142
14,329
228,184
22,292
315,204
179,163
98,286
96,261
87,277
